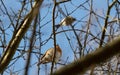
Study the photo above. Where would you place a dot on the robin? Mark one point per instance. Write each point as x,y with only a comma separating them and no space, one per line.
49,54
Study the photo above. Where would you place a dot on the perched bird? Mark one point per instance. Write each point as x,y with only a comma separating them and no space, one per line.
49,54
66,21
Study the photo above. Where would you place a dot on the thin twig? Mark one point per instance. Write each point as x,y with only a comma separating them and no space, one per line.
54,35
32,40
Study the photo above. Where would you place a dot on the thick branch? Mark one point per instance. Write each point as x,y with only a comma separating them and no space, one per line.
13,44
97,57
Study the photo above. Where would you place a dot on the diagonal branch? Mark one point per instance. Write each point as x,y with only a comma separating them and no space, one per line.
106,22
99,56
14,43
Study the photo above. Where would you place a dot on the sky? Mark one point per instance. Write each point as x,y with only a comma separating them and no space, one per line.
99,7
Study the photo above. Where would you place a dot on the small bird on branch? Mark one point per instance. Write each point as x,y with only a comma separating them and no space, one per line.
66,22
49,55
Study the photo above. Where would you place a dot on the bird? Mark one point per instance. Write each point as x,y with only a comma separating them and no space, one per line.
49,54
66,21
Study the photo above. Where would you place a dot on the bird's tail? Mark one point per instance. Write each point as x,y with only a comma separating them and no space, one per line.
57,26
38,63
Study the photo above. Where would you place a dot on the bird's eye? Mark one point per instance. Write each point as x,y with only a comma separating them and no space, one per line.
49,55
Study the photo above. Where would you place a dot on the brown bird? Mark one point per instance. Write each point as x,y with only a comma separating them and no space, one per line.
66,21
49,54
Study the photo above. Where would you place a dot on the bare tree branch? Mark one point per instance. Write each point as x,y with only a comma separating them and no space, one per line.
95,58
106,22
13,44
